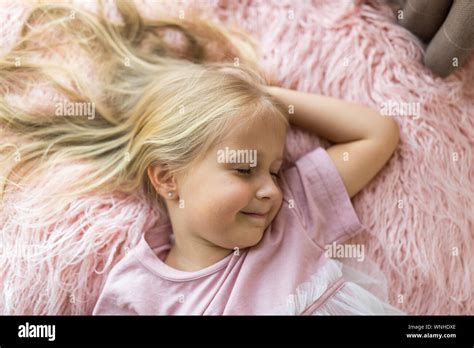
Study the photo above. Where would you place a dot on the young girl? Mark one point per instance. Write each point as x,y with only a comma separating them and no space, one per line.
251,239
245,232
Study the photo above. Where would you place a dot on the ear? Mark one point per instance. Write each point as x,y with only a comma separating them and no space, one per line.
162,181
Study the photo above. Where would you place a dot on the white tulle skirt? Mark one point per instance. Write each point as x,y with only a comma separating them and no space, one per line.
342,289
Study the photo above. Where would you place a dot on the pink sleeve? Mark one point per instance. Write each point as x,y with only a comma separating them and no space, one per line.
321,199
108,305
113,299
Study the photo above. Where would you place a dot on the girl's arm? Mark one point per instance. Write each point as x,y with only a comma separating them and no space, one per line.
365,140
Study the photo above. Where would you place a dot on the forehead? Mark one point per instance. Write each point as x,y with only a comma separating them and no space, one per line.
266,134
257,132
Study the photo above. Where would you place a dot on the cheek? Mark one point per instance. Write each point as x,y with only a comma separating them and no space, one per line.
278,205
218,198
228,198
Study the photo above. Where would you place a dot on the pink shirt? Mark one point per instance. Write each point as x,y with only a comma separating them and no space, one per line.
264,279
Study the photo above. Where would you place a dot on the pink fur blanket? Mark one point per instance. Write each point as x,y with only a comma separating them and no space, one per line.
418,210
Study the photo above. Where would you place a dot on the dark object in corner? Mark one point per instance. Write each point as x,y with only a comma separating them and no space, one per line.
447,26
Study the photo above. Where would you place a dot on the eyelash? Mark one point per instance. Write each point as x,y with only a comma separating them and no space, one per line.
248,172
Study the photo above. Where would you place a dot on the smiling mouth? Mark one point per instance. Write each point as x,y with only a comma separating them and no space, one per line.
255,215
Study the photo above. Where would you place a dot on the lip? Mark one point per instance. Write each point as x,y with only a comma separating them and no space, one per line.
255,215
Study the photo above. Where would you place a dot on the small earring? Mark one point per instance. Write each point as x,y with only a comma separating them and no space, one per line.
170,194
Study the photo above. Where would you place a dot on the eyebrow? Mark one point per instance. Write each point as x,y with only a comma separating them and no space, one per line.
262,155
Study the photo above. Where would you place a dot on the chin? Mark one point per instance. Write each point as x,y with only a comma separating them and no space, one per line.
252,241
245,237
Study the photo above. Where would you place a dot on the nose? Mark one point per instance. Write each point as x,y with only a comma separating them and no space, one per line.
268,189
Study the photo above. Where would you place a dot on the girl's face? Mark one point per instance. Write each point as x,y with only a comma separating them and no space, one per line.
233,194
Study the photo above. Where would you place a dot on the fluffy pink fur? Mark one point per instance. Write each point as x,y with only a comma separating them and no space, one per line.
418,210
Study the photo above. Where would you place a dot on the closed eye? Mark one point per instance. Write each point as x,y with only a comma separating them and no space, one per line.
244,171
249,171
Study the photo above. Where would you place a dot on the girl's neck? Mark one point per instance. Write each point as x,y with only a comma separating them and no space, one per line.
192,258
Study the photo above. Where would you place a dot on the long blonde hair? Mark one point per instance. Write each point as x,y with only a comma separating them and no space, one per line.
152,103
